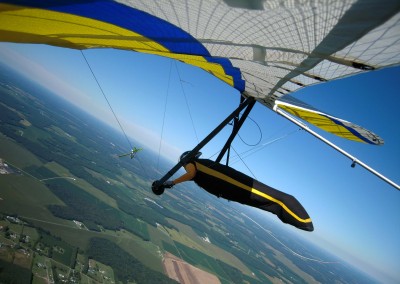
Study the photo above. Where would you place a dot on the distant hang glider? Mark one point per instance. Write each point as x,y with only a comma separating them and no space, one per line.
264,49
132,153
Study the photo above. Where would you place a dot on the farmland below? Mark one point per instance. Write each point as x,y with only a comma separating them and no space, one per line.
71,211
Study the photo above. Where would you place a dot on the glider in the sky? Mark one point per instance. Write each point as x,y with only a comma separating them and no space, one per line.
132,153
264,49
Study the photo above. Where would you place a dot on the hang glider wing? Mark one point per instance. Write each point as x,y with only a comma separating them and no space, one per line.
264,49
334,125
124,155
132,153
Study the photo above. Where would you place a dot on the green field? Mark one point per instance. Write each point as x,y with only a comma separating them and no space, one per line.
81,207
27,197
101,272
15,154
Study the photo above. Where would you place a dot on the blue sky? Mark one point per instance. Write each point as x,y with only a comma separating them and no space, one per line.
356,215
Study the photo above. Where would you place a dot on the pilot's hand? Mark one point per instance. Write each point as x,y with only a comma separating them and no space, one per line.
168,184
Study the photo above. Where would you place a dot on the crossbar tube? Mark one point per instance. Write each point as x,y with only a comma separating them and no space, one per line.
354,159
209,137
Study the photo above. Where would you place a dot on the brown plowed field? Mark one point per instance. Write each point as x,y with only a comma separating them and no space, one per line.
185,273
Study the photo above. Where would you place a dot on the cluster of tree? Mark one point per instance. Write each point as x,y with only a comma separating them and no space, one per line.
247,244
46,239
126,267
317,271
235,275
11,273
222,269
186,218
44,110
143,212
40,172
152,214
82,206
92,139
90,151
42,114
28,109
7,116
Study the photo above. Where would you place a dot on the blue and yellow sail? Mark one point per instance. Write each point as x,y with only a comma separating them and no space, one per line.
108,24
251,48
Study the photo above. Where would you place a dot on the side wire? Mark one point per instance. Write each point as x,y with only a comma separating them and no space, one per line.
244,163
105,97
165,112
186,101
258,148
113,112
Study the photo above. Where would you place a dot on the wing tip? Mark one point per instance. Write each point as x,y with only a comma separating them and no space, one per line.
329,123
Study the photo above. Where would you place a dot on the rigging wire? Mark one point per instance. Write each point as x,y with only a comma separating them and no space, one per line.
162,129
113,112
244,163
165,112
104,95
165,108
258,148
186,101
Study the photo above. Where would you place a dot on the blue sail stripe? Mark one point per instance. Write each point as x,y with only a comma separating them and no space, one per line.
166,34
350,129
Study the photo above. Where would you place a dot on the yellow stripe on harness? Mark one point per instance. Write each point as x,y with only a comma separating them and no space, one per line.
234,182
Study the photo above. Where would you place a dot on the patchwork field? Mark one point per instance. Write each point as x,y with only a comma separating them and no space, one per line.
185,273
72,211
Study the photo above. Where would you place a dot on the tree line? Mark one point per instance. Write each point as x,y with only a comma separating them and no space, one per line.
126,267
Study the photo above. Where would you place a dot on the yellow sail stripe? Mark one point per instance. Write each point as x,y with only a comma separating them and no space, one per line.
234,182
31,25
321,121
